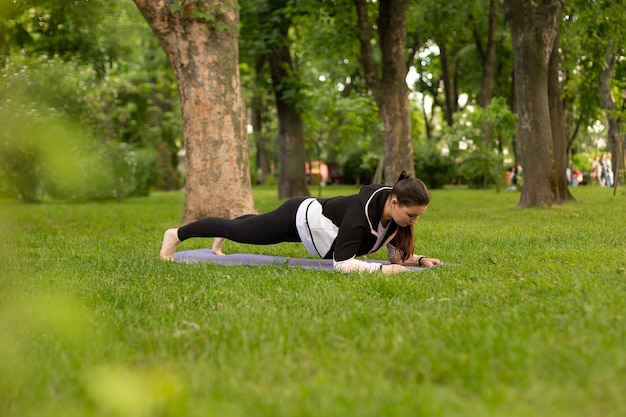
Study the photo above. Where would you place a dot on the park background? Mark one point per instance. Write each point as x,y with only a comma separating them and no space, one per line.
87,86
526,319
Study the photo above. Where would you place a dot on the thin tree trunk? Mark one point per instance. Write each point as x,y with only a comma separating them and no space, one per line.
205,60
488,63
615,124
262,154
256,120
292,152
517,149
292,158
557,121
488,57
446,77
428,125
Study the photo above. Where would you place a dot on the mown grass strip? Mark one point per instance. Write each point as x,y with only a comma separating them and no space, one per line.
529,321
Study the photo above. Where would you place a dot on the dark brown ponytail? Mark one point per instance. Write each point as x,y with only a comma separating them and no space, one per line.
408,191
403,176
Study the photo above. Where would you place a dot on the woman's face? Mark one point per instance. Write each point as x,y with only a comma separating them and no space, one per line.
406,215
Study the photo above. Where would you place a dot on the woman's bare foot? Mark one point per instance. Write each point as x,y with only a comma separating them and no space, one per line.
218,242
170,242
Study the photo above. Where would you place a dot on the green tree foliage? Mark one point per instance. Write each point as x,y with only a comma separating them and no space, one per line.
98,63
586,28
90,31
338,127
78,61
481,165
340,118
432,166
44,155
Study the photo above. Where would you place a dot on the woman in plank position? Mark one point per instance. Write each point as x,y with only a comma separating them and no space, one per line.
338,228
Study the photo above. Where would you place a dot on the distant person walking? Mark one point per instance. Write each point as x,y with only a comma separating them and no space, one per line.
608,169
596,171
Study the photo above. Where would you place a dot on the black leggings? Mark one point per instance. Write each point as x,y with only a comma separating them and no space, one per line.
257,229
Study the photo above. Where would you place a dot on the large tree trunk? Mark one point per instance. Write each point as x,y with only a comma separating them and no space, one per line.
205,59
557,120
533,31
615,124
391,92
394,96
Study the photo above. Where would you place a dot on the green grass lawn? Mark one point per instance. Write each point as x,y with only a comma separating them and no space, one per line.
528,318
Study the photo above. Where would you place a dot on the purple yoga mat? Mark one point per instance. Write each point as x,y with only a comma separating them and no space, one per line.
207,256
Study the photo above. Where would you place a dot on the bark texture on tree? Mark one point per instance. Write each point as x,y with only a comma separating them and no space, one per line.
533,31
390,92
205,60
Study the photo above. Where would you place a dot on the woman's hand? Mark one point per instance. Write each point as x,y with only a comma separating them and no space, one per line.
419,260
428,262
393,269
